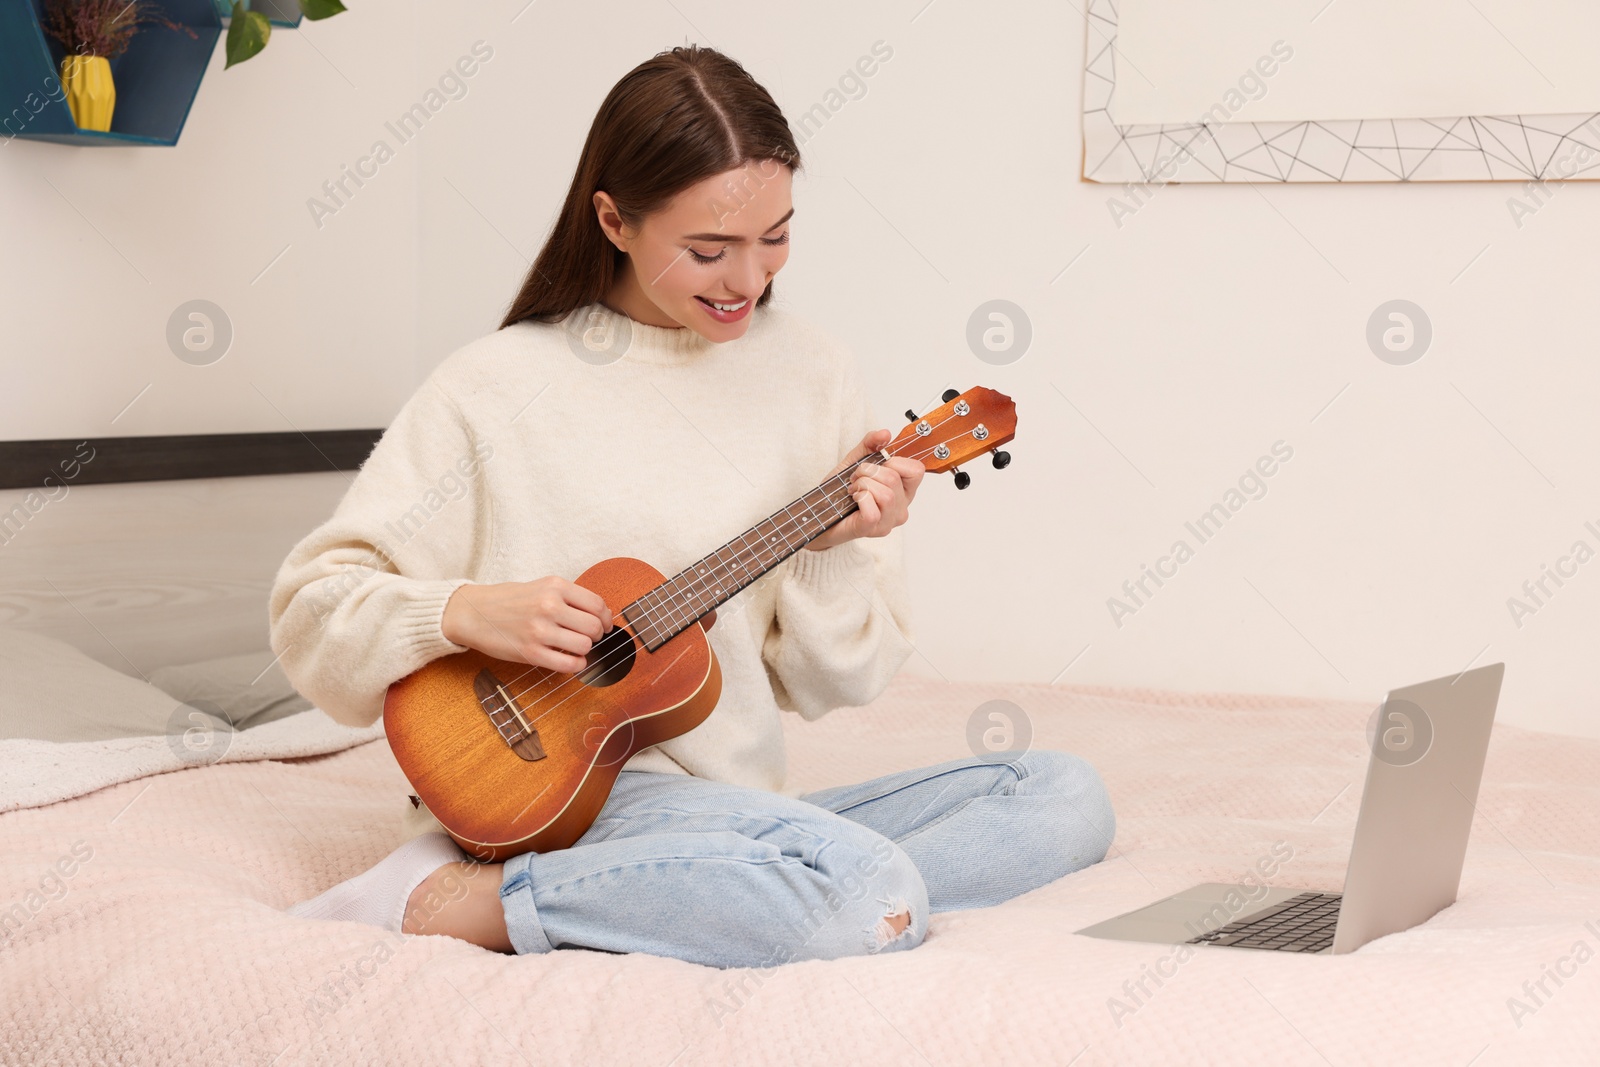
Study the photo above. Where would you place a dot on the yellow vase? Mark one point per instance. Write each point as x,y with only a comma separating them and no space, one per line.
90,94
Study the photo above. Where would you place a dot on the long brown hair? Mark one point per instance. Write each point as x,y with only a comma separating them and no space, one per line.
674,120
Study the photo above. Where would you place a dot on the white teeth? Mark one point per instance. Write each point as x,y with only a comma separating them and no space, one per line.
727,307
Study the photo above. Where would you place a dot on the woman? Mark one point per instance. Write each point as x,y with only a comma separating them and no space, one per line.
642,398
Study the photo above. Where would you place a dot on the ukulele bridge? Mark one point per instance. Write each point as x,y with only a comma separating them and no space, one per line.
506,716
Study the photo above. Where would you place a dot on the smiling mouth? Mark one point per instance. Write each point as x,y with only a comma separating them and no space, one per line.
724,306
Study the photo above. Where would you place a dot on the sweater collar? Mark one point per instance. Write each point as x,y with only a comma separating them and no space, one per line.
643,344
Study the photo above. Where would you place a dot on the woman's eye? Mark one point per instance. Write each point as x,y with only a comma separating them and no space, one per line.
698,258
781,239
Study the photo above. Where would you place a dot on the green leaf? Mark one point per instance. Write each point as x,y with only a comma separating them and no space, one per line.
320,9
247,34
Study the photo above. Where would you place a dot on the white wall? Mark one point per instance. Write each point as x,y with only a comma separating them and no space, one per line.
1177,348
98,246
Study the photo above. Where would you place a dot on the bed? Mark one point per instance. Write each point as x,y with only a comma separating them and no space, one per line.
143,911
169,943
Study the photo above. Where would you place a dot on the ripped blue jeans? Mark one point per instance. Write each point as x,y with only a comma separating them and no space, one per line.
730,876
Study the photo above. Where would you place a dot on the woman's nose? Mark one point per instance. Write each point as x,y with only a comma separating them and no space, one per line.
752,277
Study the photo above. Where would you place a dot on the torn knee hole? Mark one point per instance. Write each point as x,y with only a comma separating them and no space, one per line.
893,924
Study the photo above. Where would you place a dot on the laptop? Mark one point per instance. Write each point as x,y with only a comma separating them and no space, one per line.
1428,744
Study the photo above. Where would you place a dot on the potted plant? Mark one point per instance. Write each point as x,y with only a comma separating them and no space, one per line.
93,32
249,31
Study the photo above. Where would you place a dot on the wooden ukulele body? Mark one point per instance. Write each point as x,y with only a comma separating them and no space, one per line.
497,798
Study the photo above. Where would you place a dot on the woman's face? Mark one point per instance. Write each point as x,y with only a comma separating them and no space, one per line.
704,259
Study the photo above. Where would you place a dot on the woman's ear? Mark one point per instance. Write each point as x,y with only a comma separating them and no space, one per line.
611,223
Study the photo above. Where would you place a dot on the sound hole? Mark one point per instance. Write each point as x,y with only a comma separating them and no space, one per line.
610,660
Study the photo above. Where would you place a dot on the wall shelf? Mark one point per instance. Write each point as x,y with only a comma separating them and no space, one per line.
156,78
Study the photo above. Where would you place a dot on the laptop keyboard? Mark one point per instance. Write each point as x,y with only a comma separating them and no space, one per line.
1300,924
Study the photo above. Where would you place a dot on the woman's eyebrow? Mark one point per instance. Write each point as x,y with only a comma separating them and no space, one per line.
734,238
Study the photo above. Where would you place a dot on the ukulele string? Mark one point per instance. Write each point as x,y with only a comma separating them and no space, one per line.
650,617
841,511
566,678
623,650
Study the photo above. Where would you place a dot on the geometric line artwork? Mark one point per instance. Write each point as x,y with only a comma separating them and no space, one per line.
1469,148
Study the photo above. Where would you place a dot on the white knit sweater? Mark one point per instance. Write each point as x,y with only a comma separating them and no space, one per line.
518,459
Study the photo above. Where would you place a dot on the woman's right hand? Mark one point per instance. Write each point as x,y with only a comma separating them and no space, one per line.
549,623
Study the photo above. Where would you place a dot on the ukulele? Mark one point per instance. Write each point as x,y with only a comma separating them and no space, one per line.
512,758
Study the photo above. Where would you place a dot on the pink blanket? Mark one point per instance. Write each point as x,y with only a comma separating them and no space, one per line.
144,922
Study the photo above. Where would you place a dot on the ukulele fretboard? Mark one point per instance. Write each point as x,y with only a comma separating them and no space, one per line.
698,589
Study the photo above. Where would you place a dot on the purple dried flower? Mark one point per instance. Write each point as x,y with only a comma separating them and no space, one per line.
102,27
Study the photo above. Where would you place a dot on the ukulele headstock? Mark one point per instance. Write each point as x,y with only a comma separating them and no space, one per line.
964,427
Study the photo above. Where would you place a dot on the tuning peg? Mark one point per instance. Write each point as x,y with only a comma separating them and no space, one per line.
1001,459
949,395
911,416
963,479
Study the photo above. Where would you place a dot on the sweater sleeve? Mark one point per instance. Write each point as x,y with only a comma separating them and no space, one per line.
359,601
842,620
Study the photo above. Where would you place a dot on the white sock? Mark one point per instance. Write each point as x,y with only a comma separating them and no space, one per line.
378,896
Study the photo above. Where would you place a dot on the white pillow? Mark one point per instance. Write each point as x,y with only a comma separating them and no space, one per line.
50,691
250,688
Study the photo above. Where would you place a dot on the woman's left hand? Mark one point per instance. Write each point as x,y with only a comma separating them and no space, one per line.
883,493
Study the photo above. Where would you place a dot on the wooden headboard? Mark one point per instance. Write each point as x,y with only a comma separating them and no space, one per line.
150,551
